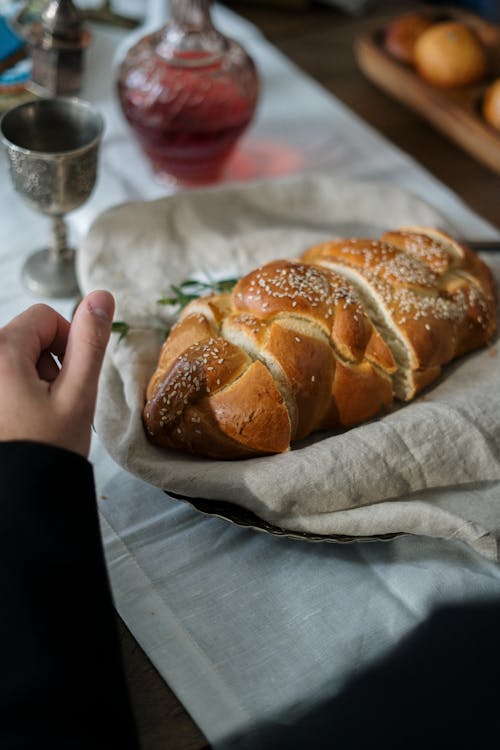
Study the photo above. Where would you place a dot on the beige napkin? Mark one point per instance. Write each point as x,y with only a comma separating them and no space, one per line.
430,467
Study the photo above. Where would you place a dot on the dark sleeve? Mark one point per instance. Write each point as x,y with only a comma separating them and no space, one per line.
61,678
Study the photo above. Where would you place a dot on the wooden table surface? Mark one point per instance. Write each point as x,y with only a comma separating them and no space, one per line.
319,39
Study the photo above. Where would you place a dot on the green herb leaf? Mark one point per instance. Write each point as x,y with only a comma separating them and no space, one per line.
181,295
226,285
167,301
120,327
190,289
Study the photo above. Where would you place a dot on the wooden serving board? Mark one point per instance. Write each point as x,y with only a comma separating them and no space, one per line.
455,112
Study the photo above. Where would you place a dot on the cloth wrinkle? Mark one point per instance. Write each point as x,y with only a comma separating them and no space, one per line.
385,584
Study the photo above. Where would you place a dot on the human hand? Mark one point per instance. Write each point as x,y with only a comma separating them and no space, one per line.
40,401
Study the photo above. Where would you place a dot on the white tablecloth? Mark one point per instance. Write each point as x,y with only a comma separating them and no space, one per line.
244,626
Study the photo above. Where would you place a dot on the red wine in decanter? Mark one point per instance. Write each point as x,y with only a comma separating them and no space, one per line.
188,94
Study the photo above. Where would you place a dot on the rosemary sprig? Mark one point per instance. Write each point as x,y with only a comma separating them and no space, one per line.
181,295
190,289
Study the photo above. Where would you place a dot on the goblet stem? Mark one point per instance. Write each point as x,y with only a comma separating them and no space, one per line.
59,245
51,272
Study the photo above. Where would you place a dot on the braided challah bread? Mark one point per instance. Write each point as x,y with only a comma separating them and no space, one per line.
322,343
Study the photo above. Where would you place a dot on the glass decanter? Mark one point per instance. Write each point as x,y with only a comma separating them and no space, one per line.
189,93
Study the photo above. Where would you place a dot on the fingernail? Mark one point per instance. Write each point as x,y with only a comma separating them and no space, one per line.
102,305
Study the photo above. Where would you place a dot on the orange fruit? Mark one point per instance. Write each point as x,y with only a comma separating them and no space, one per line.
491,104
449,55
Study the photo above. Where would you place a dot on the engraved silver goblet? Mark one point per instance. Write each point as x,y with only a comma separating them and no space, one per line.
52,147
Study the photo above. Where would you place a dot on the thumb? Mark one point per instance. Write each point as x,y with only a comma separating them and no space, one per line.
88,338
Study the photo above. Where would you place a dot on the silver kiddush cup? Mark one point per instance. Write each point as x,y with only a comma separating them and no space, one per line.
52,147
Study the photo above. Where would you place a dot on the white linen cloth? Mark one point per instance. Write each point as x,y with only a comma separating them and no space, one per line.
244,626
359,483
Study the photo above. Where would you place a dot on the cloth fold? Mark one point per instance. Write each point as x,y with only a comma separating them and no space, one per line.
372,480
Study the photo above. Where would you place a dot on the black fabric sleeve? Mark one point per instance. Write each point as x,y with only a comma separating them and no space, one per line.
61,677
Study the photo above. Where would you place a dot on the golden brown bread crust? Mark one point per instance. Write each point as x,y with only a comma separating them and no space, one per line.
432,298
321,343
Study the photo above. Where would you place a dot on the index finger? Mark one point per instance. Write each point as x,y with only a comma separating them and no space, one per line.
39,328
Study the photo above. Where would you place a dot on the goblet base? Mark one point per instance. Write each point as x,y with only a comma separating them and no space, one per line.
47,277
